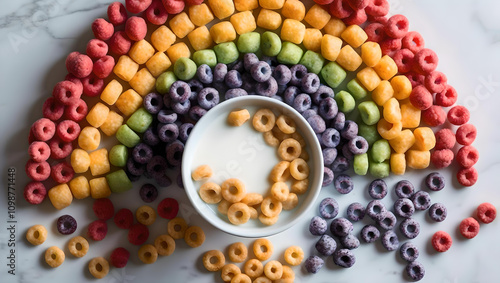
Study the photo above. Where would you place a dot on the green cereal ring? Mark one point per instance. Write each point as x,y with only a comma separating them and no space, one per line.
380,170
380,151
370,114
118,181
206,56
333,74
118,155
126,136
164,81
357,90
185,68
270,44
226,52
140,120
313,61
361,164
249,42
369,132
290,54
345,101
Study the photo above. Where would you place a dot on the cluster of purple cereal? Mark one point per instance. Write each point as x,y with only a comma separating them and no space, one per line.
409,201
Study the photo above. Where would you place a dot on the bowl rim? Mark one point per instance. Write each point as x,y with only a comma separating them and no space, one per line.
316,154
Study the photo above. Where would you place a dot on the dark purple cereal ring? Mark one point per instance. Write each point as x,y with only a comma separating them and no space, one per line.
370,233
404,189
148,193
328,208
377,189
168,132
261,71
328,108
390,240
282,74
415,270
387,220
404,207
421,200
220,72
327,176
135,168
249,59
184,131
196,112
438,212
358,145
340,164
235,92
153,102
302,102
409,252
355,212
205,74
195,86
350,242
248,83
375,209
238,66
179,91
142,153
344,258
318,226
347,153
267,88
343,184
174,153
329,155
435,181
167,101
313,264
157,166
66,224
317,124
310,83
326,245
341,227
290,93
338,122
131,177
322,93
208,98
233,79
350,130
163,181
271,60
308,113
410,228
330,138
298,72
166,116
150,137
181,107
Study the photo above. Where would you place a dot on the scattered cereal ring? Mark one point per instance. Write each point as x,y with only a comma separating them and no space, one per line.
194,236
54,256
213,260
148,254
458,115
138,234
294,255
78,246
466,134
229,271
177,227
36,235
486,212
262,249
467,156
165,245
99,267
119,257
237,252
168,208
467,176
233,190
469,228
263,120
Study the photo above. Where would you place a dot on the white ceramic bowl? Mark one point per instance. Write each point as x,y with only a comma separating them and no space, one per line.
240,152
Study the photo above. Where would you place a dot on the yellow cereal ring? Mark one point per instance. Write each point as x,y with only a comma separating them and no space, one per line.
402,87
330,47
279,134
263,120
165,245
334,27
271,207
291,202
200,15
223,206
241,278
36,235
99,267
97,115
268,19
223,32
273,270
252,199
294,9
60,196
424,138
253,268
233,190
270,139
349,59
317,17
392,112
80,187
268,221
238,117
299,169
388,130
148,254
293,31
229,271
202,172
398,163
288,274
246,5
145,215
382,93
402,142
354,35
243,22
177,227
371,53
89,138
289,149
78,246
54,256
210,192
222,8
237,252
238,213
194,236
300,186
280,191
80,160
213,260
262,249
262,279
313,39
294,255
286,124
418,159
254,214
280,172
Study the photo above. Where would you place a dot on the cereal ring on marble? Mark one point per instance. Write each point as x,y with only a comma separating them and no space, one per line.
466,134
486,212
397,26
177,227
119,257
202,172
458,115
299,169
467,156
210,192
286,124
52,109
165,245
102,29
252,199
262,249
145,215
469,228
273,270
241,278
148,254
294,255
78,246
289,149
54,256
194,236
421,98
263,120
233,190
281,172
34,192
213,260
117,14
435,81
137,6
229,271
467,176
238,213
168,208
280,191
79,65
237,252
36,235
37,171
253,268
434,116
442,158
426,61
99,267
413,41
271,207
441,241
156,13
136,28
447,97
97,48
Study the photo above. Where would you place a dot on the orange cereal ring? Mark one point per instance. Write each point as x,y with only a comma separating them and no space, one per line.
229,271
213,260
145,215
254,214
78,246
270,139
262,249
268,221
280,191
288,273
286,124
223,206
233,190
279,134
263,120
291,202
289,149
99,267
294,255
36,235
54,256
252,199
202,172
165,245
298,137
194,236
271,207
210,192
238,213
253,268
280,172
300,187
176,228
273,270
148,254
237,252
262,279
241,278
299,169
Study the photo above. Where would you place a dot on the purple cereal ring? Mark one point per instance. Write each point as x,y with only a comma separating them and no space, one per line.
355,212
261,71
327,176
358,145
181,107
290,93
344,184
328,208
267,88
435,181
438,212
282,74
350,130
329,155
340,164
249,59
390,240
220,72
166,116
330,138
409,252
415,270
350,242
298,72
235,92
196,112
317,226
174,153
179,91
404,207
317,123
328,108
344,258
326,245
341,227
208,98
421,200
135,168
323,92
168,132
404,189
153,103
410,228
370,233
142,153
387,220
377,189
338,122
310,83
375,209
150,137
157,166
184,131
205,74
308,113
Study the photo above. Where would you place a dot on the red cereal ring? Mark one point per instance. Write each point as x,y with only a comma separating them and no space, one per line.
397,26
79,65
52,109
434,116
415,78
458,115
43,129
413,41
390,45
358,4
337,8
75,80
421,98
441,241
97,230
138,234
426,61
466,134
68,130
34,192
92,85
137,6
37,171
447,97
467,156
377,8
62,172
319,2
168,208
76,111
404,60
117,13
442,158
119,43
103,209
469,228
124,218
96,49
467,176
103,67
66,92
156,13
102,29
358,17
380,20
119,257
445,139
59,149
375,32
486,212
435,81
136,28
198,2
173,6
39,151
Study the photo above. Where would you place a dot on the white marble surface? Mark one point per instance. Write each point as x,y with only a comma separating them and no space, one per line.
37,36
